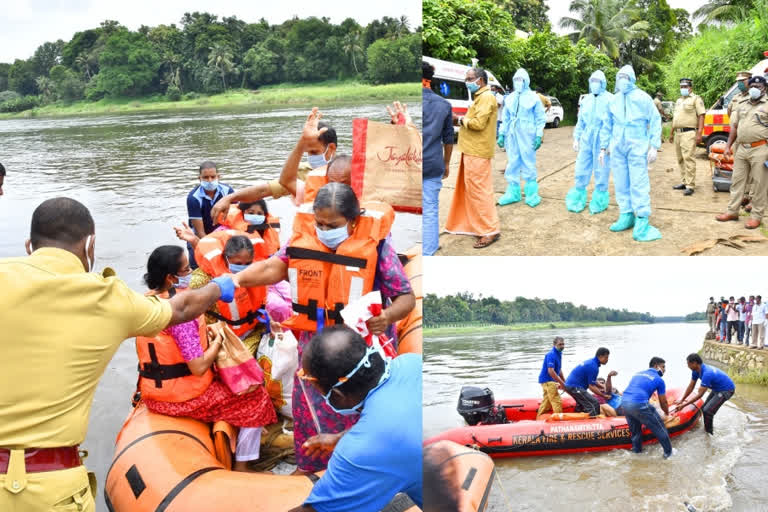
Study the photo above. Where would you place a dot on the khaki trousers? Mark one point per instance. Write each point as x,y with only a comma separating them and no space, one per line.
66,490
551,399
758,335
685,147
749,163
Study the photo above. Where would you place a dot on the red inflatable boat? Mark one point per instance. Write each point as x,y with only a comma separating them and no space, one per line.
508,428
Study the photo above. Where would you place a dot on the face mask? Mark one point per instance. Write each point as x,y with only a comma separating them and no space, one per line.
234,267
365,361
518,85
622,84
594,87
254,219
209,186
661,373
332,238
754,93
316,161
560,349
87,253
473,86
183,281
684,92
742,86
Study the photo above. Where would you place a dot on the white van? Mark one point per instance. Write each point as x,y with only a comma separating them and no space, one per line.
448,82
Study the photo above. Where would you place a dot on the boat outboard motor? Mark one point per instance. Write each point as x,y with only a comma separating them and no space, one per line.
476,405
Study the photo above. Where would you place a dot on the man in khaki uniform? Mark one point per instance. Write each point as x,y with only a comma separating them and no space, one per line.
61,325
749,130
473,208
742,77
687,123
660,108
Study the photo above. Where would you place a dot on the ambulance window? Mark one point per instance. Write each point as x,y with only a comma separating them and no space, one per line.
450,89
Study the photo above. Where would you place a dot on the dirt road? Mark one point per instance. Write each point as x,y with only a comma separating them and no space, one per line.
550,229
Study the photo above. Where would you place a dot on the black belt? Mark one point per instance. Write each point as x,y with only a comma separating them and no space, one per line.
685,129
310,310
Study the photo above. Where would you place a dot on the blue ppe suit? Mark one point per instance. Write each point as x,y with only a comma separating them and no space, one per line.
522,120
631,125
587,135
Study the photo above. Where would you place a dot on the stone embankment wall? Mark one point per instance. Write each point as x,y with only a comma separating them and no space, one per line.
735,359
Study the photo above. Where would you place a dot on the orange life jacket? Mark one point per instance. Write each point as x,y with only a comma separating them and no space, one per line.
326,279
163,373
409,335
315,180
271,233
242,314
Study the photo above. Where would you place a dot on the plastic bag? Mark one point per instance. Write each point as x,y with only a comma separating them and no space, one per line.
278,356
237,368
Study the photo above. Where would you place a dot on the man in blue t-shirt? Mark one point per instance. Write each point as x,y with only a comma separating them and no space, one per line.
711,378
639,412
200,201
551,378
380,455
584,377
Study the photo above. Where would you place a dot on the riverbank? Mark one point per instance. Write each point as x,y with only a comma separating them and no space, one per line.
744,365
318,94
534,326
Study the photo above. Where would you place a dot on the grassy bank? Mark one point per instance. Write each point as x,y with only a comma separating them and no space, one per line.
536,326
319,94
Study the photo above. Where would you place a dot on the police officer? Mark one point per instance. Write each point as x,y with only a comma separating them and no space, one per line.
749,130
742,77
687,123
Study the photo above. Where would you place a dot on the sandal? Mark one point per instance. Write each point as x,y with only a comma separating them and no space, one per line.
485,241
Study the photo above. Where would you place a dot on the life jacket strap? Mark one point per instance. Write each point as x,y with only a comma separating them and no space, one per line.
160,372
301,253
247,319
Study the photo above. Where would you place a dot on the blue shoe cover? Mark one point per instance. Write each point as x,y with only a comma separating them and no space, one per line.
532,197
626,221
644,232
599,201
576,199
512,195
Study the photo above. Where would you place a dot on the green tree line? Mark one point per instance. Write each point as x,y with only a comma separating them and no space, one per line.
207,55
465,307
660,42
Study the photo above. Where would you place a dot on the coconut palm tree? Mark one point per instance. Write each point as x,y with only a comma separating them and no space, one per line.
605,24
402,26
352,46
45,86
81,61
221,58
724,11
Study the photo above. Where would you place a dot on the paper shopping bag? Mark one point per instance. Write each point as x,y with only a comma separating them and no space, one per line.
236,365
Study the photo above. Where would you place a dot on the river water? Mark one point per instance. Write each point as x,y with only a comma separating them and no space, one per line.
726,472
134,171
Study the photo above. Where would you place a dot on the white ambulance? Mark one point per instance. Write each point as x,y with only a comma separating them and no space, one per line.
448,82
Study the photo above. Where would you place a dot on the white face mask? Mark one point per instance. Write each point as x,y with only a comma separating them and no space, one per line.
89,240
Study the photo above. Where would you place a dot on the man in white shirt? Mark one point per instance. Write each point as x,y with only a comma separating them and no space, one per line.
759,311
742,309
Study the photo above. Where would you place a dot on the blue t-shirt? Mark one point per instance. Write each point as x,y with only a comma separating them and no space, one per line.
554,360
436,129
714,379
381,455
643,385
584,374
199,205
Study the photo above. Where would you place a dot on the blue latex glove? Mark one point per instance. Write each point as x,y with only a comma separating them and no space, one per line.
227,287
500,141
537,143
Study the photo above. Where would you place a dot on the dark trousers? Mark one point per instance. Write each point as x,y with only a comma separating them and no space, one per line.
712,405
585,402
643,414
733,325
741,331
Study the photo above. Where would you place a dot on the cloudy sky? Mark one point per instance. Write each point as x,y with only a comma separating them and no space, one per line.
32,22
559,8
663,286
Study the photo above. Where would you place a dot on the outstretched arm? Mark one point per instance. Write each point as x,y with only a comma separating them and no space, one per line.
247,195
290,171
262,273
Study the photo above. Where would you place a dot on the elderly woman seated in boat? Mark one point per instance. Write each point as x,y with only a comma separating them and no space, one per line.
176,375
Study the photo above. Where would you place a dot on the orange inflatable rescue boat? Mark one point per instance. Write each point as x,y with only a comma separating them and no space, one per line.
509,428
409,336
168,464
470,471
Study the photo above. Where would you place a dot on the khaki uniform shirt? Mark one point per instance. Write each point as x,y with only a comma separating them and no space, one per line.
59,328
687,112
544,101
710,309
751,121
739,98
477,132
